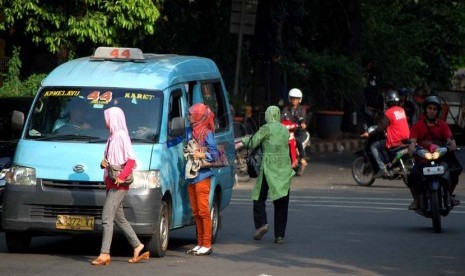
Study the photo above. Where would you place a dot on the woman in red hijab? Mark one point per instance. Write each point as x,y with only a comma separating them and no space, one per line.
203,127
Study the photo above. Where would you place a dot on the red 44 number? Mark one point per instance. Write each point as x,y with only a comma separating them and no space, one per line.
95,96
124,54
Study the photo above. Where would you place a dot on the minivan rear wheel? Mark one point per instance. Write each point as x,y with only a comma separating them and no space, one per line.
17,242
215,215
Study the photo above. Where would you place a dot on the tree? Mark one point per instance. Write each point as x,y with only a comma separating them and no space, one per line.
13,86
415,42
63,25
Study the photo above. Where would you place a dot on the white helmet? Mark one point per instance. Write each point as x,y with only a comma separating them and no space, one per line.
295,93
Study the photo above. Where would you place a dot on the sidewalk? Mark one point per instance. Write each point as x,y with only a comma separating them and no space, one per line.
347,142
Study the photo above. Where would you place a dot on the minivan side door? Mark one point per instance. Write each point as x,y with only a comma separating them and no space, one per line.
177,107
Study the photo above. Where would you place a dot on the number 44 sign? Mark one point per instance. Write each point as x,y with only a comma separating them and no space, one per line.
96,98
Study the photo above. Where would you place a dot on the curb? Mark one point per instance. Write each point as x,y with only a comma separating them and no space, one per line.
349,145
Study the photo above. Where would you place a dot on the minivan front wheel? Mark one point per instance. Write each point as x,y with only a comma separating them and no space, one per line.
158,242
17,242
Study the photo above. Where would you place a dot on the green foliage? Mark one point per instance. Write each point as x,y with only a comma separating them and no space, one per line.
66,24
327,78
415,42
13,86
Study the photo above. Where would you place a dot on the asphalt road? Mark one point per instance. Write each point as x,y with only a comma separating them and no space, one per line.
335,228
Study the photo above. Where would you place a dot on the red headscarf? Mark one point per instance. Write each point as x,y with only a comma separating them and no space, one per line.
201,121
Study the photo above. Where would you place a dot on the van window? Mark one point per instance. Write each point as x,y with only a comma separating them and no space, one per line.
77,113
175,108
212,95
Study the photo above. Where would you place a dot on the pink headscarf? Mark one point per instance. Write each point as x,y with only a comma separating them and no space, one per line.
119,148
201,122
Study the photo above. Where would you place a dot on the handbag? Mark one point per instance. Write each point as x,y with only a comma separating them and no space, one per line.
254,160
115,170
221,161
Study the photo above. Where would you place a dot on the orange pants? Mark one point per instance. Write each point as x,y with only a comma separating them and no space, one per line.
199,194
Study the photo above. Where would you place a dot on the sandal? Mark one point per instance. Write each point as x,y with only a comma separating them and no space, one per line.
99,261
143,256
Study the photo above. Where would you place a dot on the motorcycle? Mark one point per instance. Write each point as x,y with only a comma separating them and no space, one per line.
364,167
435,199
293,150
239,161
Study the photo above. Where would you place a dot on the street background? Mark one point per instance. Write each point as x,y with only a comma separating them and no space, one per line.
335,228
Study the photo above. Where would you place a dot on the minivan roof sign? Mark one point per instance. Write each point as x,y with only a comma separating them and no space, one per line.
118,53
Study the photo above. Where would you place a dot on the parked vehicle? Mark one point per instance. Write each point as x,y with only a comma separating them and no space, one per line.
435,199
55,185
364,167
8,136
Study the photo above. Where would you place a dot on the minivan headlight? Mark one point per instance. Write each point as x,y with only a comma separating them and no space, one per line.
18,175
146,179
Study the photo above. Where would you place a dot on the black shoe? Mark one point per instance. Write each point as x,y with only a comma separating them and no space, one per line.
260,232
455,202
381,173
413,205
279,240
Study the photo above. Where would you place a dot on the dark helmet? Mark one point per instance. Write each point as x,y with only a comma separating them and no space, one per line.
432,100
391,98
404,91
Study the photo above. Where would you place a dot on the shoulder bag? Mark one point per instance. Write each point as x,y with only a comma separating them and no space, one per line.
254,160
221,161
115,170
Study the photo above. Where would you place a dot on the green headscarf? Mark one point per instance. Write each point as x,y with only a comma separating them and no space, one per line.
272,114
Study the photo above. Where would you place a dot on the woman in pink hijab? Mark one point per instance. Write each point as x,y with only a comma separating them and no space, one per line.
118,151
203,127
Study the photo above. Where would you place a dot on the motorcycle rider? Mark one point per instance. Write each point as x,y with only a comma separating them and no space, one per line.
394,123
407,104
296,113
432,129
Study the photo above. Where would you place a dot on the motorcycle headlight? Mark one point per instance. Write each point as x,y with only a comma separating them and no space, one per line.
18,175
146,180
428,156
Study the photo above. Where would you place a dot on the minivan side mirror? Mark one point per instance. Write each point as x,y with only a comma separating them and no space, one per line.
17,120
177,126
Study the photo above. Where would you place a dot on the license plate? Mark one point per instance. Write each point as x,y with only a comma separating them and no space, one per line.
433,170
68,222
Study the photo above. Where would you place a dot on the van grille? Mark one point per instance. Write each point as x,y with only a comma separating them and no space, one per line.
72,184
51,211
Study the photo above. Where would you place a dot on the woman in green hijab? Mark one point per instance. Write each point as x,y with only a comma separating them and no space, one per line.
275,174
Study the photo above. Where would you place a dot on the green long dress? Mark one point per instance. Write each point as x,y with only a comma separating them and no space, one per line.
276,162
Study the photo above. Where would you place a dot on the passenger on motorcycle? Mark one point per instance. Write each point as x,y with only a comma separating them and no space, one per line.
432,130
296,113
394,123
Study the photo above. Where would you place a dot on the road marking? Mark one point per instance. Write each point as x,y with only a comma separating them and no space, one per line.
347,202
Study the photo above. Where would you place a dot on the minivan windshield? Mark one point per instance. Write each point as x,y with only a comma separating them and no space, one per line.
76,113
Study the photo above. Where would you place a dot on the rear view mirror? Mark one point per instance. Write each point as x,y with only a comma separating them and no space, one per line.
17,120
177,126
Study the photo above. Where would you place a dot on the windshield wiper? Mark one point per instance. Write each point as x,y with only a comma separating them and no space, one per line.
70,137
142,140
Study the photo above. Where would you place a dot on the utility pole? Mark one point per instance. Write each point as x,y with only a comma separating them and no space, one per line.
242,23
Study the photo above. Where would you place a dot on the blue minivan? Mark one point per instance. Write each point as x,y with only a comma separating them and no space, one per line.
55,185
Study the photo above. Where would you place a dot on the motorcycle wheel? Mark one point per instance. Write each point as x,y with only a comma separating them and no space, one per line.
241,166
435,214
362,171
